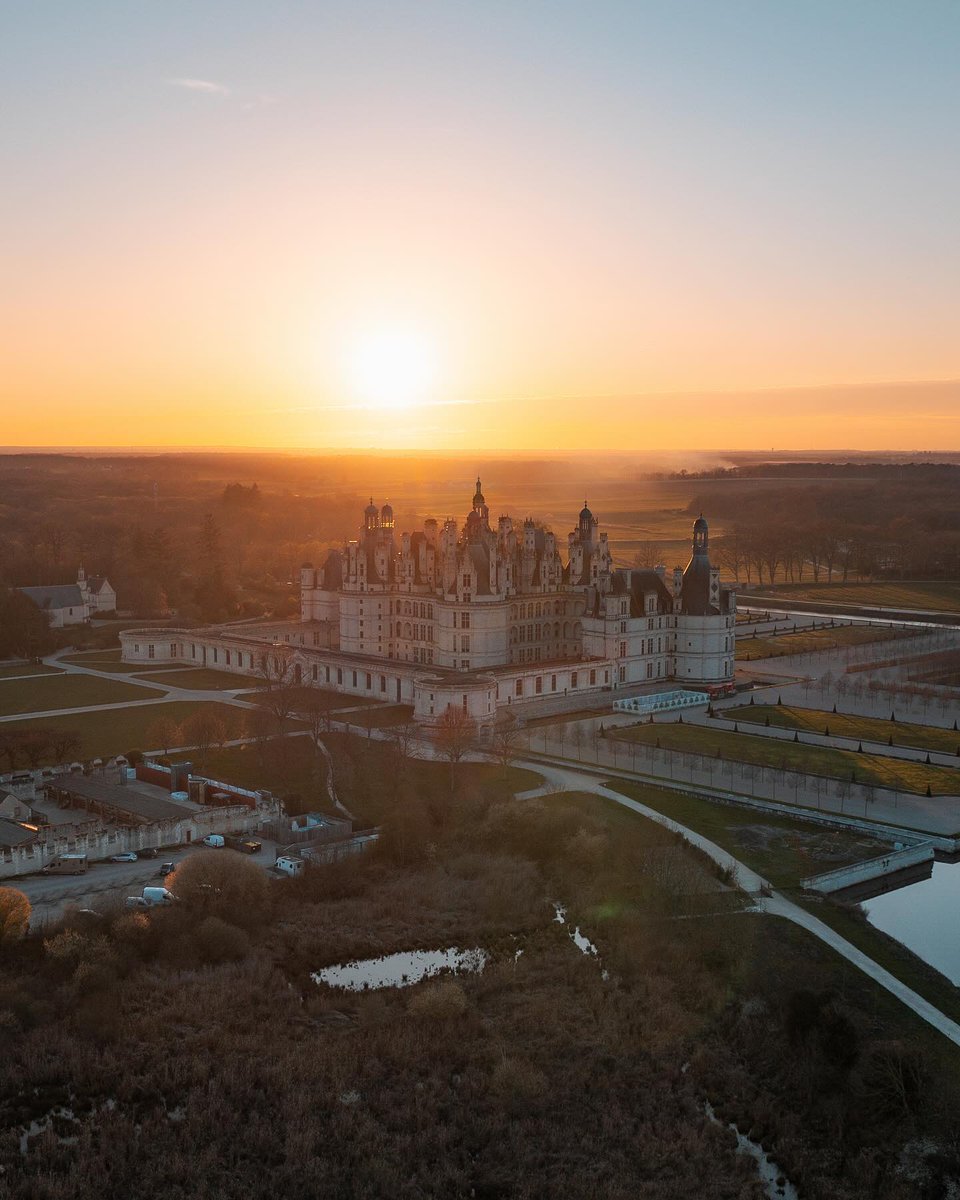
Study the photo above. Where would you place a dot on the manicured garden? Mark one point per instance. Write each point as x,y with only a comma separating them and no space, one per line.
811,641
875,769
861,729
942,597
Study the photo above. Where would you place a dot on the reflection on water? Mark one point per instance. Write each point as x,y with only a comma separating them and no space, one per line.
922,917
399,970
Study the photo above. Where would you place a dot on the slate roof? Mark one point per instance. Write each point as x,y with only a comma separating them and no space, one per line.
12,833
122,801
58,595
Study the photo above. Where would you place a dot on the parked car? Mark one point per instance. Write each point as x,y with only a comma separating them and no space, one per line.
147,852
125,856
215,841
167,868
157,895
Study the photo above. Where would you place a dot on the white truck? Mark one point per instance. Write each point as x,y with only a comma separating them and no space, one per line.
151,897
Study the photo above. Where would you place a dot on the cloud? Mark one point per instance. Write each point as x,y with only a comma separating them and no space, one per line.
200,85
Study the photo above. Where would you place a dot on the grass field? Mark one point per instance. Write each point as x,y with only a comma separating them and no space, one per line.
752,648
827,761
103,660
307,695
65,691
782,850
199,678
290,764
941,597
873,729
103,734
18,670
381,717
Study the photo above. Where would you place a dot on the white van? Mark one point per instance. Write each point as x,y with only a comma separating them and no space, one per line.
215,841
290,866
158,895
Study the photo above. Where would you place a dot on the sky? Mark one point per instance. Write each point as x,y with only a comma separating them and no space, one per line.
506,224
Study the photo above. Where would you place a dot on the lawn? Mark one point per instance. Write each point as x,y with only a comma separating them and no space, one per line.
304,696
116,730
783,644
381,717
781,849
282,765
872,729
18,670
66,691
942,597
103,660
198,678
827,761
367,770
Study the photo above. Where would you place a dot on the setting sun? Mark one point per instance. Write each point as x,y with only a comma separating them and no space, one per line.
390,368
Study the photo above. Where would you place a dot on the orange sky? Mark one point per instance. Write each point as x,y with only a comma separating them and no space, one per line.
642,229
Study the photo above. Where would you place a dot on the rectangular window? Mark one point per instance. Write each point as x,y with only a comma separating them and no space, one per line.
553,683
326,672
383,683
173,651
227,659
518,687
455,620
465,642
193,650
150,653
649,670
593,678
214,654
465,620
314,672
464,701
623,649
340,675
136,648
573,679
466,581
623,674
354,679
369,681
538,685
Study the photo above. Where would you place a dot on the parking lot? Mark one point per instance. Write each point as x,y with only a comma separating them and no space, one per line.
107,883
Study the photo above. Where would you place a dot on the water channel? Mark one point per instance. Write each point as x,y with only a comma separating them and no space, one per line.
919,911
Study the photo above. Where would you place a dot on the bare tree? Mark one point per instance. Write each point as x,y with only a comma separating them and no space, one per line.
506,741
454,737
201,730
277,670
64,744
163,733
647,556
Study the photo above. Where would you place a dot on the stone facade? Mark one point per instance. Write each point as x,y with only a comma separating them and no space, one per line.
481,617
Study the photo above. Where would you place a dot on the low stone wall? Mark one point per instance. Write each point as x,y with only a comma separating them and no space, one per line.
871,868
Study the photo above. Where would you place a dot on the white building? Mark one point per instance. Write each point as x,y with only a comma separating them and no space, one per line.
482,618
72,603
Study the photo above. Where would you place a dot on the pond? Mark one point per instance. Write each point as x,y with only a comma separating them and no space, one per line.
921,916
399,970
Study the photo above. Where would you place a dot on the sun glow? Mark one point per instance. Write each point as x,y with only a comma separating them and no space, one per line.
390,368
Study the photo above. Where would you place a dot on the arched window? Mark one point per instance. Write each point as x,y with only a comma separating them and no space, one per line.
558,608
399,630
406,629
556,630
538,610
566,630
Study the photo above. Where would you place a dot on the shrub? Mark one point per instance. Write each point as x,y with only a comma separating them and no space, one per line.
220,942
14,915
222,883
438,1001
